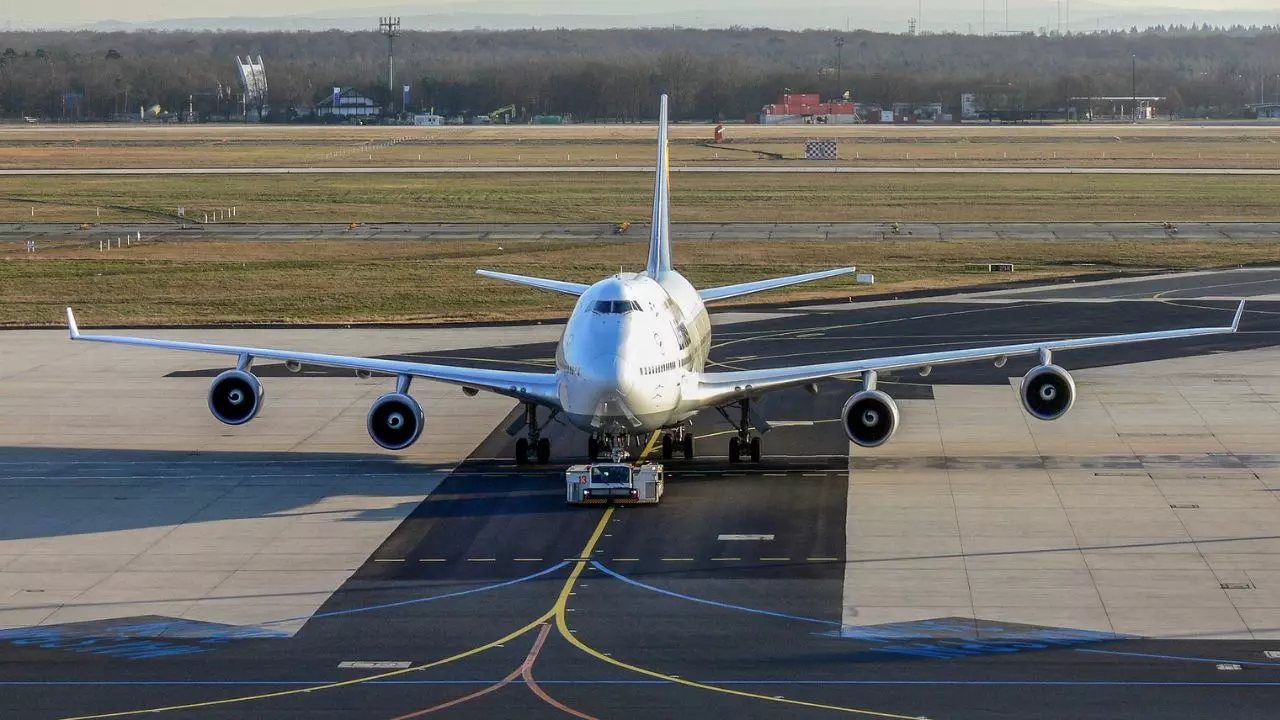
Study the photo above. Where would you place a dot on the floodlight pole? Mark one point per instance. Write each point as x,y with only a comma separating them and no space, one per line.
1133,80
839,46
390,26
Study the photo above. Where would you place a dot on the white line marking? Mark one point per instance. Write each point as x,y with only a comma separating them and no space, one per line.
744,536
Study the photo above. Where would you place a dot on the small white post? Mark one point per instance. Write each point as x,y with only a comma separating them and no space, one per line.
139,236
99,212
33,211
117,243
128,240
99,244
206,218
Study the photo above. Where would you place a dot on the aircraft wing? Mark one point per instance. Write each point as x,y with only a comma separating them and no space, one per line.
536,387
568,288
731,291
720,387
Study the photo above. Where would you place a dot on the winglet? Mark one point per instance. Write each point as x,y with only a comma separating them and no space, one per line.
1235,323
71,323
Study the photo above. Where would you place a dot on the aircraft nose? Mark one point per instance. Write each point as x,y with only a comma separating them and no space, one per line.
609,373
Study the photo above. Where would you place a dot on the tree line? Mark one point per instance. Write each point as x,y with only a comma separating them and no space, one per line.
616,75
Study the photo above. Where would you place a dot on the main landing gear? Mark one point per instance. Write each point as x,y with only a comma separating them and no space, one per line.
533,447
746,441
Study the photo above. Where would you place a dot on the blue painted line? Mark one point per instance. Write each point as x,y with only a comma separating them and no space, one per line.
431,598
704,601
1002,683
147,640
1157,656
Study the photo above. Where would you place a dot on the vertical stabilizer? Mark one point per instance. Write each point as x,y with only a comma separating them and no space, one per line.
660,226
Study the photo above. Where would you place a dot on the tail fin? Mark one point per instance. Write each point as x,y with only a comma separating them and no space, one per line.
660,226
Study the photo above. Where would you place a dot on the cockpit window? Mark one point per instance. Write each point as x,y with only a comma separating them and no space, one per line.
615,307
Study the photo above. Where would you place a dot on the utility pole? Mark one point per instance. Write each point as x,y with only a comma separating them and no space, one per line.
839,40
390,26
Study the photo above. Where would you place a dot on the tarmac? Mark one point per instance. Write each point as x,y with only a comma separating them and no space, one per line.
1031,231
1120,562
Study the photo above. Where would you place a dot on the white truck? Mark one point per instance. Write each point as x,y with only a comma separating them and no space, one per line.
601,483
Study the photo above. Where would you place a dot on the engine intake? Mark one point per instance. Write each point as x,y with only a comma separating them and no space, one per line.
870,418
235,397
1048,392
395,421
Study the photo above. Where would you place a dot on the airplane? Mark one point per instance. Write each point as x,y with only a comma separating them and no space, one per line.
632,360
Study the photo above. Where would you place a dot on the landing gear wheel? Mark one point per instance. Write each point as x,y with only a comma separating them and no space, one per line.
755,449
544,451
522,452
668,446
593,449
735,450
688,446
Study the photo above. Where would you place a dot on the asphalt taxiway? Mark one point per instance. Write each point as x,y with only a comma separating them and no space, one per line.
1121,562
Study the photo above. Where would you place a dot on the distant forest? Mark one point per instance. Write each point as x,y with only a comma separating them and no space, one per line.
615,75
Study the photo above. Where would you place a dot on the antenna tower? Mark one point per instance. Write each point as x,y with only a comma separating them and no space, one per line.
390,26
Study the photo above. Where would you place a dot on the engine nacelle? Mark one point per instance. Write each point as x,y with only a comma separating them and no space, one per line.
1048,392
235,397
870,418
395,421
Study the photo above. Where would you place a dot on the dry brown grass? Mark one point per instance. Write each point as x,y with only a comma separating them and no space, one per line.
1159,145
433,281
614,197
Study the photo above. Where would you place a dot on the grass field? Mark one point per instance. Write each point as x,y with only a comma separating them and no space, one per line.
616,197
200,282
1155,145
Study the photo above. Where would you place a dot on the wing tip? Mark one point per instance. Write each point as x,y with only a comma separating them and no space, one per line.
1235,322
72,326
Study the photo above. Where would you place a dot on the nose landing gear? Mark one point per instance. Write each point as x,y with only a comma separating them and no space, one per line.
678,438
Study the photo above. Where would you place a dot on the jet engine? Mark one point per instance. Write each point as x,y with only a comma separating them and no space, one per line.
870,418
1048,392
395,421
235,397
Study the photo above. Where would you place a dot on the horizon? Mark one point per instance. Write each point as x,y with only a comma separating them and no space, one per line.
939,16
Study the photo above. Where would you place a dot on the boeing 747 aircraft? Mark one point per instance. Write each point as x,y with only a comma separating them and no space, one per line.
632,361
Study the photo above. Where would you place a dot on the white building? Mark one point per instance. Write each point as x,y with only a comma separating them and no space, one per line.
350,104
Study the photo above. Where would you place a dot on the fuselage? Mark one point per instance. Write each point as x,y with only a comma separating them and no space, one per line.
630,347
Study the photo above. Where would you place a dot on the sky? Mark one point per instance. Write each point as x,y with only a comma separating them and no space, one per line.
63,13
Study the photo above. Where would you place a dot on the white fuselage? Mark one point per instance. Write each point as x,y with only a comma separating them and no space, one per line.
628,350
